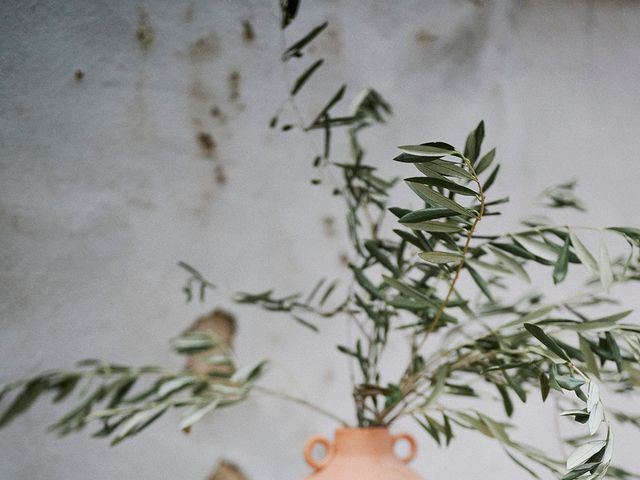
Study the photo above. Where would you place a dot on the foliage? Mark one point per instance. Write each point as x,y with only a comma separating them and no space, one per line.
405,280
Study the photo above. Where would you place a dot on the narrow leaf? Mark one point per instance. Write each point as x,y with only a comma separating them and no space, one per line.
294,50
562,264
440,257
302,79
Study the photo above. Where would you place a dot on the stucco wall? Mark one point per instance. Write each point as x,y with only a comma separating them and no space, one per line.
104,187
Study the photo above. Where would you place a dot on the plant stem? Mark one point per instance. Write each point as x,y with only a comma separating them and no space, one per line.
411,383
302,402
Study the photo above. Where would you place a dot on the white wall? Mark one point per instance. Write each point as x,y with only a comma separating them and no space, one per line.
103,188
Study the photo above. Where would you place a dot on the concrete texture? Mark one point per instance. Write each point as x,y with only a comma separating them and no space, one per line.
113,168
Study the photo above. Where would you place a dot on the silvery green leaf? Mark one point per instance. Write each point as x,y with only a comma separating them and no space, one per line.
434,226
193,342
537,247
531,317
426,193
596,416
174,385
138,422
584,453
511,263
441,257
426,150
197,413
604,264
583,254
593,395
250,372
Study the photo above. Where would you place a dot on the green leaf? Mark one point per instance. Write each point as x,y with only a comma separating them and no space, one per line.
288,10
547,341
426,150
366,284
604,265
335,99
444,167
629,232
589,357
506,400
544,386
614,349
562,264
376,252
295,49
443,183
425,214
417,159
538,248
302,79
437,198
584,453
473,144
440,257
583,254
197,413
433,226
485,162
511,263
492,178
193,342
602,323
532,316
24,400
480,282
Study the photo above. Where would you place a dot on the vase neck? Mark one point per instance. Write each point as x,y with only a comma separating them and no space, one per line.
364,441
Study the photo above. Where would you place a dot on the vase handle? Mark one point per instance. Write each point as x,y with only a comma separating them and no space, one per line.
413,448
308,452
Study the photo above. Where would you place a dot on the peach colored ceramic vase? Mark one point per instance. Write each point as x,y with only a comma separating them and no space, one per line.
362,454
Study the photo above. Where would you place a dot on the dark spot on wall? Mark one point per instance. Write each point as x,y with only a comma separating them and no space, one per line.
145,34
78,75
425,37
248,34
344,259
219,174
234,85
206,142
188,14
218,114
329,226
198,90
204,49
227,471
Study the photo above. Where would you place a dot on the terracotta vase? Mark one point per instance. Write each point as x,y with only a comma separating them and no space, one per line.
362,454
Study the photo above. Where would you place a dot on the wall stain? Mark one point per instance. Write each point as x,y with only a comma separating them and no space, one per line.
227,470
189,14
425,37
204,49
248,33
78,75
145,34
199,91
234,85
219,174
215,112
206,142
329,226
